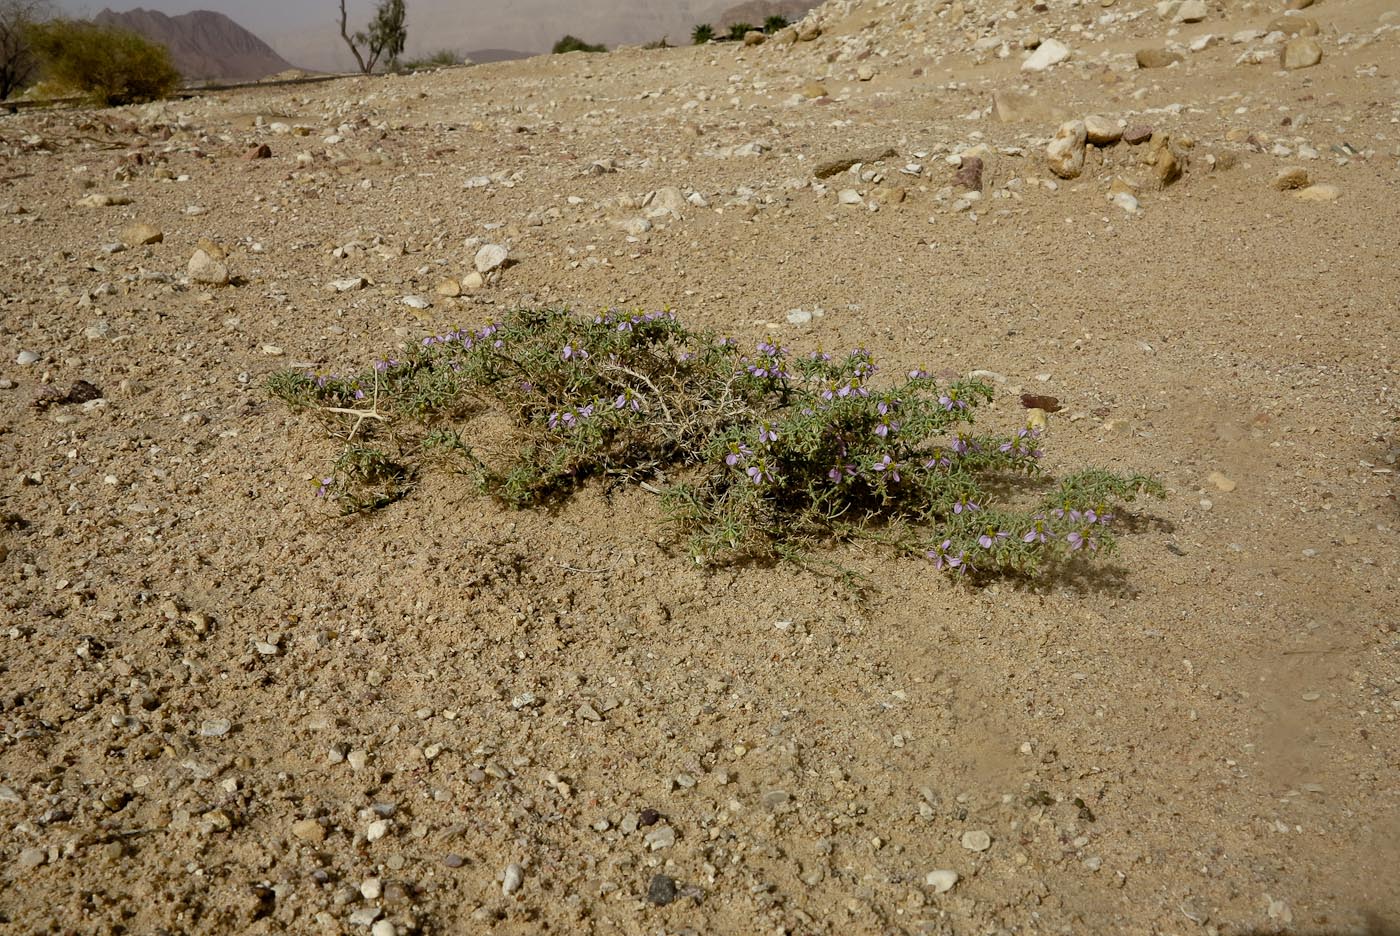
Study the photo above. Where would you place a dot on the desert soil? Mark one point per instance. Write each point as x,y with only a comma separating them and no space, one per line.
225,709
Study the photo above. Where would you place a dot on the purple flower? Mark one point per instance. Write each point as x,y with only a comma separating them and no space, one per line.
766,434
1079,539
887,464
738,451
325,487
759,473
987,539
1038,534
967,505
943,558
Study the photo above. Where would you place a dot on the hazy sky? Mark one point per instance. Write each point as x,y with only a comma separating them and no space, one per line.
306,32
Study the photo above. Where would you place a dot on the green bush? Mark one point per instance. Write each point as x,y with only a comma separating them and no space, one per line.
737,31
774,23
764,453
112,66
443,58
702,34
575,44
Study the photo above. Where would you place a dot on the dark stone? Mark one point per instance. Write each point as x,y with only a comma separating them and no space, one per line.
648,817
1135,136
970,174
261,151
662,890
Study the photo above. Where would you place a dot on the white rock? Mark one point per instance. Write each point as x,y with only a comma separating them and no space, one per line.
1127,201
205,269
348,284
941,881
1191,11
377,830
849,197
416,302
1065,154
371,888
511,880
473,280
383,928
977,840
752,148
25,358
490,257
1050,52
660,837
215,728
1201,43
635,227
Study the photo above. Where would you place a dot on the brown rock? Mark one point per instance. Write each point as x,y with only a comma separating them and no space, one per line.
1166,162
140,234
1297,4
1292,177
755,37
261,151
834,166
813,89
207,270
1157,58
1294,26
309,830
809,32
969,175
1302,52
1065,154
449,287
1101,131
1137,135
1319,193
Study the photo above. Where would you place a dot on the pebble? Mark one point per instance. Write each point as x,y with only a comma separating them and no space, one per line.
511,880
490,257
371,888
588,713
1049,53
1191,11
1101,131
1065,154
383,928
261,151
31,858
215,727
347,284
357,759
140,234
416,302
941,881
1127,201
309,830
377,830
1157,58
976,840
660,837
635,227
25,358
662,890
1302,52
99,200
364,916
206,270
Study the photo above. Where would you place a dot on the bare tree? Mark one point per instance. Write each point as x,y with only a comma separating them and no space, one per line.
385,36
18,63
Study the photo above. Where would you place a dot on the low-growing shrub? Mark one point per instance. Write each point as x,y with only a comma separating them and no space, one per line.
443,58
765,452
702,34
112,66
575,44
737,31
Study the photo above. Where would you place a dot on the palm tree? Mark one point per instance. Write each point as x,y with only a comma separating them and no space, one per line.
702,34
774,23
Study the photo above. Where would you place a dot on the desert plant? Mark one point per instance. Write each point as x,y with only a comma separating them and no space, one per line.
18,63
112,66
443,58
575,44
737,31
702,34
658,44
774,23
771,452
384,38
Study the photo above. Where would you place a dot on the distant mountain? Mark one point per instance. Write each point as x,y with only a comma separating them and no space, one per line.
203,44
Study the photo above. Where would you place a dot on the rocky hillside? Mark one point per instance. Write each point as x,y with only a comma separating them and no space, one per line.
203,44
756,11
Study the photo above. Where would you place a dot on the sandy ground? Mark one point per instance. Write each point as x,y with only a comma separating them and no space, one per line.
224,709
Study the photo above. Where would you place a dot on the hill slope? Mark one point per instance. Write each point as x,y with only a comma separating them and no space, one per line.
203,44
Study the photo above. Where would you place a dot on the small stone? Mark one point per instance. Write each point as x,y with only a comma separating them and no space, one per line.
416,302
206,270
941,881
662,890
1191,11
383,928
377,830
453,860
1137,135
25,358
1221,482
140,234
30,858
755,37
1319,193
813,89
100,200
808,33
371,888
1294,26
660,837
449,288
347,284
865,72
1291,178
588,713
1101,131
969,174
490,257
849,197
1127,201
261,151
511,880
357,759
309,830
976,840
473,281
365,916
1302,52
1065,154
1048,53
1157,58
215,728
635,227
